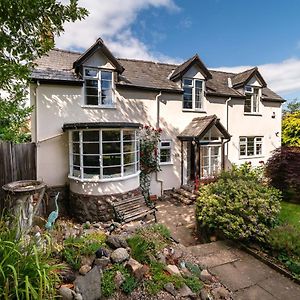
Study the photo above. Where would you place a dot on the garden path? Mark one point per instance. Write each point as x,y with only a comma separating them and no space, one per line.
247,277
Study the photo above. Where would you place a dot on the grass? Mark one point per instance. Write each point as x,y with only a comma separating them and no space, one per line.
290,214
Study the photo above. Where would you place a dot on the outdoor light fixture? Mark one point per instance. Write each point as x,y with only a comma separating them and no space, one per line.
273,115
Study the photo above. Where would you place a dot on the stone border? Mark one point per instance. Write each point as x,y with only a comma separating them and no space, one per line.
269,263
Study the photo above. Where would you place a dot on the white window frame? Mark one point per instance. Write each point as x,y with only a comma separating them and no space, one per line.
193,86
210,157
165,147
100,177
258,141
99,79
251,91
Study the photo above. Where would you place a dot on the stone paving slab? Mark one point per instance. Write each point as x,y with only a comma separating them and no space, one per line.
253,293
210,248
223,257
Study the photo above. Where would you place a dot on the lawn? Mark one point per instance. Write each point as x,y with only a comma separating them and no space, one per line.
290,213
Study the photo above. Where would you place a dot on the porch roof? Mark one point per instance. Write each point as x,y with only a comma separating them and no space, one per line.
200,126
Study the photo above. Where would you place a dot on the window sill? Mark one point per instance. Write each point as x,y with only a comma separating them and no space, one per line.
194,110
252,114
251,157
99,106
166,163
104,179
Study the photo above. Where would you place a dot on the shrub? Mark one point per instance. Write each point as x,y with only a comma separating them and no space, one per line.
26,272
283,170
193,283
238,205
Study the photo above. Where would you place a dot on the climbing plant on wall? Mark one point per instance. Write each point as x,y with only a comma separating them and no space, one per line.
149,160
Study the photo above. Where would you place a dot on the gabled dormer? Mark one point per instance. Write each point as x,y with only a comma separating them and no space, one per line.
250,83
192,75
99,69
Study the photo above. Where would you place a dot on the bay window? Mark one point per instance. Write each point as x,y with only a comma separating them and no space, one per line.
210,160
193,93
103,153
98,87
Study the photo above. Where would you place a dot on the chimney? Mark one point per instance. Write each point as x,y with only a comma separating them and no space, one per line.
229,82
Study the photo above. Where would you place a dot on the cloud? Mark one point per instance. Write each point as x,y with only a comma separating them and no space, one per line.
112,21
282,77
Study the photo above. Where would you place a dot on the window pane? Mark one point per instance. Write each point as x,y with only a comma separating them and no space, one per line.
111,172
129,158
111,135
106,85
91,160
258,149
76,171
108,148
128,170
215,150
75,136
91,72
106,75
91,173
76,160
91,148
188,82
242,150
91,100
76,148
91,83
198,84
111,160
165,144
247,107
128,135
90,91
165,155
106,97
90,136
128,147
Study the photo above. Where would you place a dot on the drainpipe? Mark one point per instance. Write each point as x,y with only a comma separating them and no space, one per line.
227,127
157,98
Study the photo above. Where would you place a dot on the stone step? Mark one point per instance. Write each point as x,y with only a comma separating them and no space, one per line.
188,187
181,198
186,194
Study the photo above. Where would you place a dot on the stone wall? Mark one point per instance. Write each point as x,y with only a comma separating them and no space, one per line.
95,208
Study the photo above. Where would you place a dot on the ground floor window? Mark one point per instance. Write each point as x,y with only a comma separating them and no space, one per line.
250,146
103,153
165,151
210,160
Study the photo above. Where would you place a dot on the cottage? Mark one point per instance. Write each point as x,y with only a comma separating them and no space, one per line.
88,108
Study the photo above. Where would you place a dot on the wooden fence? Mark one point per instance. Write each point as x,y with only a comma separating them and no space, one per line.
17,162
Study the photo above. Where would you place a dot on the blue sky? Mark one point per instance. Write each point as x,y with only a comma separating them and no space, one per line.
228,34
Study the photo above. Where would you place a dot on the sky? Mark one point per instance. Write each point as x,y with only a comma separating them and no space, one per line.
229,35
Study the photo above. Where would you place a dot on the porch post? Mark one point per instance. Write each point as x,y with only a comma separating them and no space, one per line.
181,161
222,154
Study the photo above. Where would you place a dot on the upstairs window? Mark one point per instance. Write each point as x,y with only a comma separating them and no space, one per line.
98,87
193,93
250,146
252,99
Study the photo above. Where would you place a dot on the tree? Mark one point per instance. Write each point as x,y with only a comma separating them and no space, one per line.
27,30
291,129
291,107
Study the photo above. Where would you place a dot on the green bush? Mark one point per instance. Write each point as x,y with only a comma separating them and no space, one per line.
238,205
285,238
194,283
26,272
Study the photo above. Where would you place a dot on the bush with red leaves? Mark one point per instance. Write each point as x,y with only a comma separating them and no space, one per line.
283,171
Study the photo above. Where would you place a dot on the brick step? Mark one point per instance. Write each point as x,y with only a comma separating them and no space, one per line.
186,194
181,198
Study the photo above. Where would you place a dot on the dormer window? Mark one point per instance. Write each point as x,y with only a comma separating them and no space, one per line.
98,87
193,93
252,99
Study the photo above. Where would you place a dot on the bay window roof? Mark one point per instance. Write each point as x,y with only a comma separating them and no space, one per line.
98,125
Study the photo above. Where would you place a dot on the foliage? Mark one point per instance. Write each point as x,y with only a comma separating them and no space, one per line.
194,269
238,205
76,248
290,214
108,286
291,129
193,283
26,33
148,241
283,170
291,107
26,272
149,160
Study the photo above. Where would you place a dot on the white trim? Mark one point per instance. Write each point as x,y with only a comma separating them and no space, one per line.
160,147
193,87
255,143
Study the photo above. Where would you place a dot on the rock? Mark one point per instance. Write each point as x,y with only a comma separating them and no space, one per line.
78,297
169,287
119,279
161,258
102,252
102,262
67,275
119,255
87,261
173,270
133,265
89,286
185,291
206,276
97,225
140,273
84,269
221,293
204,295
116,241
66,293
177,254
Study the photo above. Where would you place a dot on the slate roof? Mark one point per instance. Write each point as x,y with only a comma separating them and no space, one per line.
57,66
242,78
199,127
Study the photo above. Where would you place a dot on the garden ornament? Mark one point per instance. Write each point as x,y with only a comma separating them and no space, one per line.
53,215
